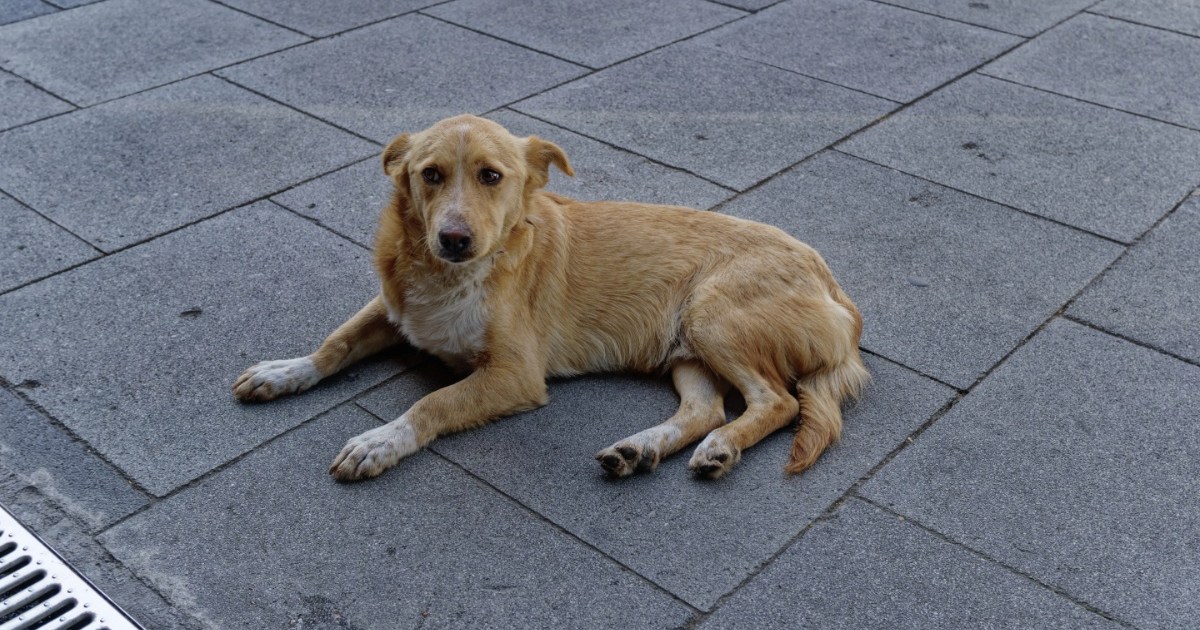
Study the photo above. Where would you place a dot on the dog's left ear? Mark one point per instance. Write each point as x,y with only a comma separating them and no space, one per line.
540,154
394,154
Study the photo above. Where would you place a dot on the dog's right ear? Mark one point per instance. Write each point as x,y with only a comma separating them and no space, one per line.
395,154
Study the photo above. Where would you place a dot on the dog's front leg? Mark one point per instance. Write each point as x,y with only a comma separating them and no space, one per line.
364,334
488,393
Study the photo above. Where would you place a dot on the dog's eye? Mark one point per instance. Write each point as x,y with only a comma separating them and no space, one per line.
488,176
431,175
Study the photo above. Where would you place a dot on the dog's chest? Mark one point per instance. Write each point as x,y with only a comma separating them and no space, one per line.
447,321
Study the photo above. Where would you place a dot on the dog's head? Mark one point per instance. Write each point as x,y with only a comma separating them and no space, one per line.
467,182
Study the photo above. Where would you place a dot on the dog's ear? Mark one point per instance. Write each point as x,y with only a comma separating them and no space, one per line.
540,154
394,155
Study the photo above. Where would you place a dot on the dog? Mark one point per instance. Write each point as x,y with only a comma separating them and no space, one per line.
483,268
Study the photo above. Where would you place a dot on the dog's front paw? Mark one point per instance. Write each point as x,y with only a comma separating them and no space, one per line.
271,379
374,451
625,457
714,457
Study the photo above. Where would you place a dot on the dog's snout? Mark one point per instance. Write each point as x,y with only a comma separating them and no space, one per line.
455,243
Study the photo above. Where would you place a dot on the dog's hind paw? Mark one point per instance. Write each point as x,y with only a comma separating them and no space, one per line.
271,379
625,457
370,453
714,457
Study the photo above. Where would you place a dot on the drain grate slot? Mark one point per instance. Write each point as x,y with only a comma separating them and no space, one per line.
40,591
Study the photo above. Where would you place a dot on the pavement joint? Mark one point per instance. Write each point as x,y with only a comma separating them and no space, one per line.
1089,11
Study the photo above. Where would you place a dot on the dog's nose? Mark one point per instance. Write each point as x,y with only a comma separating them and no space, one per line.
455,242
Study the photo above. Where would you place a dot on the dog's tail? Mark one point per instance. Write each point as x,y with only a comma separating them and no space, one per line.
821,395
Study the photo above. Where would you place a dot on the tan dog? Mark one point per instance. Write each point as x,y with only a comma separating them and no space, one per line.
486,270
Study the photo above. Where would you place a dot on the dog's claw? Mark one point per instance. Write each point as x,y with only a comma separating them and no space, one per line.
714,457
271,379
623,459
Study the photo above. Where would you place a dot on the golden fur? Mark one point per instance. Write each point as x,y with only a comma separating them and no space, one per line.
553,286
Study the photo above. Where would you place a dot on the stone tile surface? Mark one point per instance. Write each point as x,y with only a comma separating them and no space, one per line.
727,119
865,568
595,34
425,546
947,283
1153,294
1075,462
879,49
61,468
17,10
33,247
1130,67
347,201
136,352
698,539
21,102
445,71
114,48
319,19
126,170
1175,15
1106,171
1022,17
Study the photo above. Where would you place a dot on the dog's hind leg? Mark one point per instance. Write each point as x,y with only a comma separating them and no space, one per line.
769,407
701,409
364,334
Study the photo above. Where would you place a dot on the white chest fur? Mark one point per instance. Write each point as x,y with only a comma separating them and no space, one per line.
446,315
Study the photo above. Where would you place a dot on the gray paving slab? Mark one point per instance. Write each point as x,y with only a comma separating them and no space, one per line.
318,19
866,568
1153,294
120,172
426,547
61,468
698,539
67,4
21,102
880,49
17,10
595,34
1022,17
136,352
749,5
1102,170
1075,462
730,120
34,247
114,48
1175,15
68,537
947,283
1127,66
428,70
347,201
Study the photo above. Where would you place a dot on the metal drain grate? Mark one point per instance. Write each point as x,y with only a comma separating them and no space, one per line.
39,590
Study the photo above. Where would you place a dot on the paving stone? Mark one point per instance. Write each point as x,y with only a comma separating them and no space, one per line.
1153,294
947,283
347,201
749,5
879,49
1175,15
1106,171
70,539
17,10
698,539
61,468
1135,68
34,247
114,48
21,102
430,546
136,352
315,18
595,34
126,170
441,74
1075,462
865,568
1023,17
730,120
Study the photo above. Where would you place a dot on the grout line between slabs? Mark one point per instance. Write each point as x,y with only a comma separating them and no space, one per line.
52,221
1136,342
297,110
1014,570
897,363
1089,11
222,3
472,29
958,21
